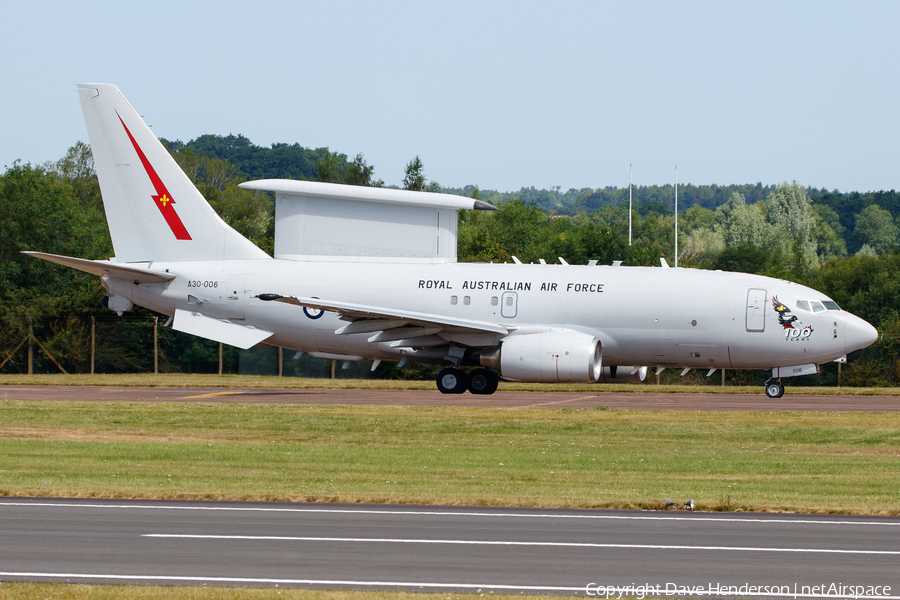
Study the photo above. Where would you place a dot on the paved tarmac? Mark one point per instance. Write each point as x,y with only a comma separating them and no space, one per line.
421,548
636,400
501,550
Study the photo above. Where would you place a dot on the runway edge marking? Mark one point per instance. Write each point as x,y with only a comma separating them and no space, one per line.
392,584
511,543
695,517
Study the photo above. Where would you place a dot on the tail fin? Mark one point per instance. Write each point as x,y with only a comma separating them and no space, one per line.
153,210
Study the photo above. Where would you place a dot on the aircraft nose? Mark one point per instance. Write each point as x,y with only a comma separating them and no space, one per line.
858,333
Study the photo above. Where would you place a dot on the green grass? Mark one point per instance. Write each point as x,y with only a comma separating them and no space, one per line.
809,462
262,382
59,591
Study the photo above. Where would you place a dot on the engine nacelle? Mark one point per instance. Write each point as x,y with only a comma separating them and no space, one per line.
117,303
623,374
559,356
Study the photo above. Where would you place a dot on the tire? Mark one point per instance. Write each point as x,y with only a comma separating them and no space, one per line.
775,389
452,381
483,381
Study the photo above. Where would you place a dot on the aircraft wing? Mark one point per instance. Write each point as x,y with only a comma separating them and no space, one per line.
105,267
394,324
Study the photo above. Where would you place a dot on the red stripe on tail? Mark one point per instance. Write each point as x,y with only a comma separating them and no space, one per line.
163,198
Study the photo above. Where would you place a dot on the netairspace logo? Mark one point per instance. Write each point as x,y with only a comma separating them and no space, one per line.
823,590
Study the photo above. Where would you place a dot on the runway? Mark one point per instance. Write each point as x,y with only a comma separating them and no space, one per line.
417,548
462,549
637,400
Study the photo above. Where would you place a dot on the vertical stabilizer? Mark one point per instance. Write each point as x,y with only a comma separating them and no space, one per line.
153,210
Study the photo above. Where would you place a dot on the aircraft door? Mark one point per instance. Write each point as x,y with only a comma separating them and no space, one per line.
756,310
508,304
234,298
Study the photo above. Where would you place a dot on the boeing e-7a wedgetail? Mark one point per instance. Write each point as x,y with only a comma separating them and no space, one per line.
371,274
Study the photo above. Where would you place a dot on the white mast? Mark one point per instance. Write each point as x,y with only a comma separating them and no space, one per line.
629,204
676,215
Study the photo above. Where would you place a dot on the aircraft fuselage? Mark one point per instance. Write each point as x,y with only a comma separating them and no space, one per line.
647,316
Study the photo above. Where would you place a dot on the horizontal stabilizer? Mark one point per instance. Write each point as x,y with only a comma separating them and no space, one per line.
227,332
107,268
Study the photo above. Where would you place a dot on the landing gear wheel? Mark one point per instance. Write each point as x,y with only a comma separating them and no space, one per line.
483,381
774,389
452,381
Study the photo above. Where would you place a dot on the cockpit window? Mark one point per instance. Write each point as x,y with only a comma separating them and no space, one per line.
817,306
802,304
831,305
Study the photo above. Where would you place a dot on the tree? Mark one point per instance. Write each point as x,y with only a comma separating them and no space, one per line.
281,161
329,168
742,224
788,206
360,173
875,228
697,217
866,251
700,246
725,213
868,287
743,259
250,213
516,229
653,207
77,168
415,178
42,209
828,233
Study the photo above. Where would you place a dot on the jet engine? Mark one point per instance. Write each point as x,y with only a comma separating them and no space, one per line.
555,356
117,303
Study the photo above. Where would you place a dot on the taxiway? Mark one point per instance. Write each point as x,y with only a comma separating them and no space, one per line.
637,400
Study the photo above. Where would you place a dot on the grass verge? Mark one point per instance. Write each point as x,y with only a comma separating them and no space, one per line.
807,462
261,381
61,591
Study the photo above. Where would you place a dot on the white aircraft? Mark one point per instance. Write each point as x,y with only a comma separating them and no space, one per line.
371,274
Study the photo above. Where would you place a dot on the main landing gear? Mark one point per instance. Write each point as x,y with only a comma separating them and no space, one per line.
774,389
455,381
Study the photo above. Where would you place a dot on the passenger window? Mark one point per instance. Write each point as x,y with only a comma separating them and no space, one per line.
509,300
467,300
453,300
494,301
802,304
817,306
831,305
